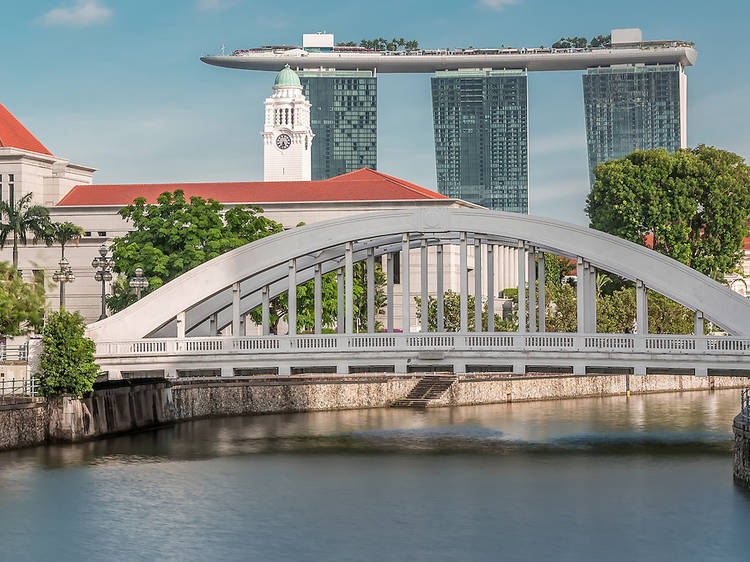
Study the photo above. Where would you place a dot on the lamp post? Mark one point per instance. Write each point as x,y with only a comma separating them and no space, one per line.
138,282
104,265
62,276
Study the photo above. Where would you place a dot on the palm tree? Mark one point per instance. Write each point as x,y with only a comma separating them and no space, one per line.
20,219
62,233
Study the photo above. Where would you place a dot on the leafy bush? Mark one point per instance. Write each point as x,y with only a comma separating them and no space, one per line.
67,363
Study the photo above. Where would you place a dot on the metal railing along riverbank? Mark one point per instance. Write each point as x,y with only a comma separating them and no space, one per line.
18,391
259,345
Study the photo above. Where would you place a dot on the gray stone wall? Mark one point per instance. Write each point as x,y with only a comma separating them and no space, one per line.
23,425
741,470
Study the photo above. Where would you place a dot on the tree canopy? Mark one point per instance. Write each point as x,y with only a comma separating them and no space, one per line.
21,304
692,205
581,42
175,235
18,220
382,44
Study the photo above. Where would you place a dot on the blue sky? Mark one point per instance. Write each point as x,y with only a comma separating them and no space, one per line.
117,84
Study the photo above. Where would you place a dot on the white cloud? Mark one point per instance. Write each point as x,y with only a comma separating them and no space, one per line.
498,5
81,13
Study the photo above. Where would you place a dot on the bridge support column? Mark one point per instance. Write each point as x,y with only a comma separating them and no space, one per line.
236,295
490,287
519,368
440,289
591,301
180,325
698,324
521,287
531,255
371,290
641,308
580,296
405,284
349,282
340,300
701,371
285,370
477,284
318,297
639,370
389,292
342,368
459,368
292,298
423,263
227,372
542,277
213,324
265,311
463,284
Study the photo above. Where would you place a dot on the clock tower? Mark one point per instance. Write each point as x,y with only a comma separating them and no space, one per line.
287,136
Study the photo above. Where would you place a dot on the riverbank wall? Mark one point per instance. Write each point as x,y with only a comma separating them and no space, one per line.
127,405
741,469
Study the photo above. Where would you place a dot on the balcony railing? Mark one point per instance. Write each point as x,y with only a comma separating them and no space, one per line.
14,352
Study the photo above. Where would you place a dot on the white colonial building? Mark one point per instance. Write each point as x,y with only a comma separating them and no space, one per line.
287,136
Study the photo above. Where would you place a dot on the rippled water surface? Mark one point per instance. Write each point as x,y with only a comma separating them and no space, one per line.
645,478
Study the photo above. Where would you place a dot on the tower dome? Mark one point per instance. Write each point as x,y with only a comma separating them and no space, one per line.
286,78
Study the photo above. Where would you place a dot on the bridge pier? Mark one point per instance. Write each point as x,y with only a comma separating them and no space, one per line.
541,276
521,287
477,284
405,284
490,287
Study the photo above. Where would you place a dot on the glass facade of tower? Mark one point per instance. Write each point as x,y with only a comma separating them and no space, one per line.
343,116
481,137
633,107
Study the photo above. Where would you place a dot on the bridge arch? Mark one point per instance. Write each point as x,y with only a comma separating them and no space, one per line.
232,284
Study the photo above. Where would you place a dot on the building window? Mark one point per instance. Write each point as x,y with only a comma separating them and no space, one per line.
102,233
396,268
87,233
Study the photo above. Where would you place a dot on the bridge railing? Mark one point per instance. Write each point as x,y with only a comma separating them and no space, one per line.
450,341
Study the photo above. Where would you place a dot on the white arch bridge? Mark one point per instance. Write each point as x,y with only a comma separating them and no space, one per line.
176,329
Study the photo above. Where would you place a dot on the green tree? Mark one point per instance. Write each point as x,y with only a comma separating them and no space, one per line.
615,313
67,363
561,308
18,220
63,233
21,304
691,205
452,314
175,235
600,41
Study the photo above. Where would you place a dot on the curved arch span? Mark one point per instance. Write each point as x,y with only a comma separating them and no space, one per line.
206,289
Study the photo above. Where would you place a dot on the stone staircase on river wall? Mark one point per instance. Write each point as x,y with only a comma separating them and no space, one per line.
429,388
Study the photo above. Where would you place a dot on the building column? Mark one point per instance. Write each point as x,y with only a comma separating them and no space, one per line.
542,277
265,311
340,315
318,298
532,288
236,309
440,289
423,263
405,285
477,284
641,308
371,290
521,287
349,282
389,292
698,324
580,296
292,298
463,284
490,287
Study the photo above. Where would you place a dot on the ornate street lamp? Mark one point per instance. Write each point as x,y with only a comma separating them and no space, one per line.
62,276
104,265
138,282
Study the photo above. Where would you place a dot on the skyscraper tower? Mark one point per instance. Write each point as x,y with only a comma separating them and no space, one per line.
631,107
481,137
343,116
287,136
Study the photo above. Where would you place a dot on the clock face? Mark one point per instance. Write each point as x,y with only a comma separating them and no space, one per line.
283,141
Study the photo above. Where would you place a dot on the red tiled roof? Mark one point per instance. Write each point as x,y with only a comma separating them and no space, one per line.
360,185
13,134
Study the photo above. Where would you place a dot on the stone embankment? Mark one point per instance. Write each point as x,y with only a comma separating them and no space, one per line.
741,469
127,405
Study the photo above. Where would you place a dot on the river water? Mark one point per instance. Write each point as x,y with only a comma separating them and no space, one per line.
645,478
